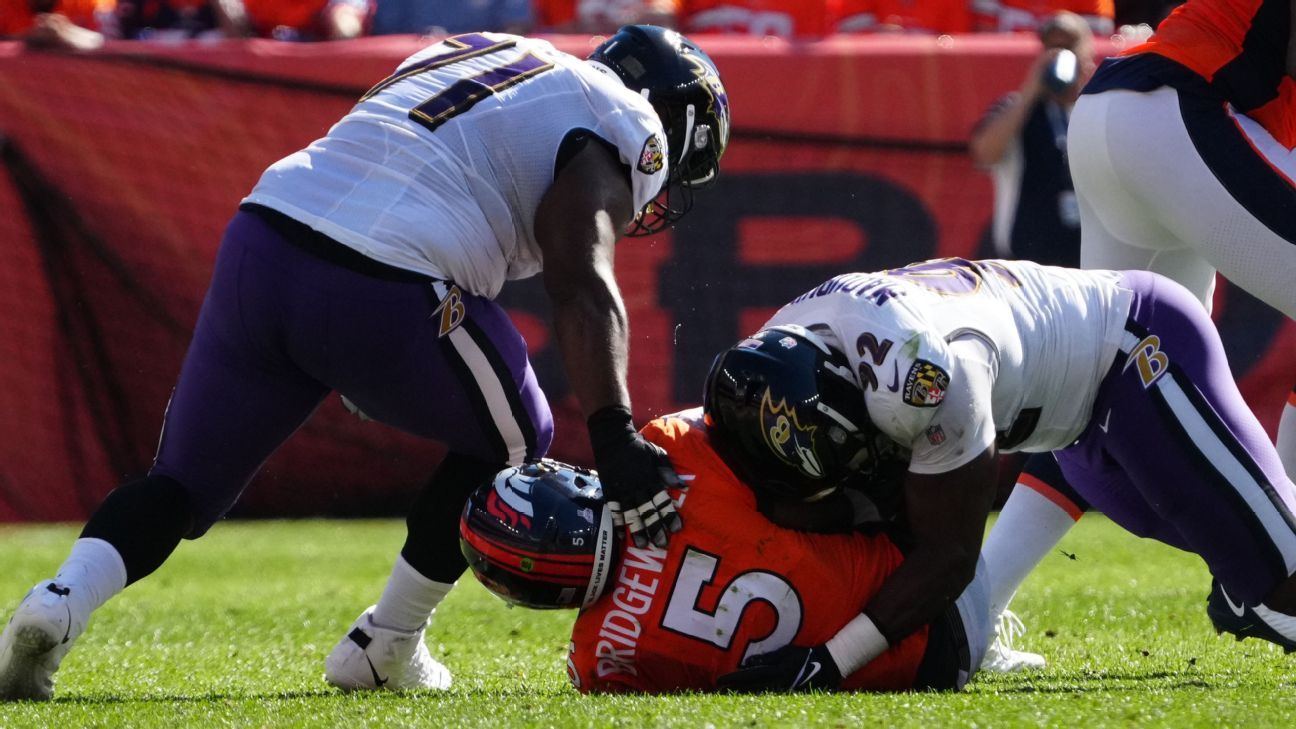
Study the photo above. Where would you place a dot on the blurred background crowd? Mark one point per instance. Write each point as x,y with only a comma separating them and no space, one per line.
85,24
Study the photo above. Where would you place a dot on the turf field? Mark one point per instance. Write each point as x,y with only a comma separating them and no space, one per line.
234,629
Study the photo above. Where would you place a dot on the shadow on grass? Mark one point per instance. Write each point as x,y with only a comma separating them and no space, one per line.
455,694
1107,682
110,699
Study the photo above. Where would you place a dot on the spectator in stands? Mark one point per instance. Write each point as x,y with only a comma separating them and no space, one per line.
904,16
306,20
781,18
441,17
1022,142
67,24
602,16
181,19
1030,15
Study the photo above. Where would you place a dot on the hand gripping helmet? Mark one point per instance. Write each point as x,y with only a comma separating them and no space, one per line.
683,85
539,535
784,411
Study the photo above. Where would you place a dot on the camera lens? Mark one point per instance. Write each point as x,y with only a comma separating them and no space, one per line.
1060,75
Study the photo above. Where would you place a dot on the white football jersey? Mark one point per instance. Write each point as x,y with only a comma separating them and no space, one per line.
440,168
954,355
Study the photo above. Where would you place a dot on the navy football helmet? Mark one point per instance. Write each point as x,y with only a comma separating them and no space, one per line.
540,535
785,412
683,85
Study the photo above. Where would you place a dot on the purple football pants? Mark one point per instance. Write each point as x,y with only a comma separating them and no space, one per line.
1173,452
281,327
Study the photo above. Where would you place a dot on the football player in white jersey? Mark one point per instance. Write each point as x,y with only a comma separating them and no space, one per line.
367,263
1180,150
1120,374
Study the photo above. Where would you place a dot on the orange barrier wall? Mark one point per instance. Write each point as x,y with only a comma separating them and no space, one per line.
121,169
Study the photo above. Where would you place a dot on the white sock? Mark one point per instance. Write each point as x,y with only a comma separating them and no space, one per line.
409,599
94,569
1029,525
1287,437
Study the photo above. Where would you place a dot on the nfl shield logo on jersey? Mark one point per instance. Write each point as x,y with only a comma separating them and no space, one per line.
651,159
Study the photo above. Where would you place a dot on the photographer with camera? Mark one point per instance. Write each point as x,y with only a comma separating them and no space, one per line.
1021,141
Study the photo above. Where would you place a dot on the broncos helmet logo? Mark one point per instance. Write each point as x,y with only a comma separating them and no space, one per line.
792,442
510,501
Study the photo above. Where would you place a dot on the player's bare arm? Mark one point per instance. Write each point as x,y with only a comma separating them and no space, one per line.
577,225
991,140
946,515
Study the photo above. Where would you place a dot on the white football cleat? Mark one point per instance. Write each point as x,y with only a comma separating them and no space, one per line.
1001,657
373,658
40,633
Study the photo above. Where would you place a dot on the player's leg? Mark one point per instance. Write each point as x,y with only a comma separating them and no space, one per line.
1218,182
234,403
1110,161
1215,481
464,380
1040,511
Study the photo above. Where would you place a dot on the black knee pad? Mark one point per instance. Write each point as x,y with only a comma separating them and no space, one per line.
144,521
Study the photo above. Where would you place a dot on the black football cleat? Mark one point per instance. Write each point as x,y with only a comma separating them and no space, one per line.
1240,620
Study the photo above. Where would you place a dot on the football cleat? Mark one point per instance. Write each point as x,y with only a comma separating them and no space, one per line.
1001,657
372,658
41,632
1241,620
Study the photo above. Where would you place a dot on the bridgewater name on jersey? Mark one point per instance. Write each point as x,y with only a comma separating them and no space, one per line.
730,585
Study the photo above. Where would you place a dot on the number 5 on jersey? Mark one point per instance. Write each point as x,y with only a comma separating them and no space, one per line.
684,616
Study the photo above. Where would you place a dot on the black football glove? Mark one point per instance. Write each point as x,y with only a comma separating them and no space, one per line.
634,474
790,668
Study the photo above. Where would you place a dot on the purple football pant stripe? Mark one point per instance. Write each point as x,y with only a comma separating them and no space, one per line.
280,329
1178,456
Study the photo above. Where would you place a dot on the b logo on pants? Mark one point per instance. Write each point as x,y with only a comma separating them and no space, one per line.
1151,361
451,310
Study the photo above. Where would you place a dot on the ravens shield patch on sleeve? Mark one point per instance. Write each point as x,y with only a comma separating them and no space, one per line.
651,159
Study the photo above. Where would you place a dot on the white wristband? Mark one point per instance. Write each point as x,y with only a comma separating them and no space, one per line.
856,644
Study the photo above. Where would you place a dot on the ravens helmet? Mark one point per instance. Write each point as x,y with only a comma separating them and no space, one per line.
784,410
683,85
539,535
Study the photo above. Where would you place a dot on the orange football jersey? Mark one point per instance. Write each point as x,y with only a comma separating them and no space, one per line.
731,584
1240,47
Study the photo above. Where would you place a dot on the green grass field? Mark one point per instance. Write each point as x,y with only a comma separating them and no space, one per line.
234,629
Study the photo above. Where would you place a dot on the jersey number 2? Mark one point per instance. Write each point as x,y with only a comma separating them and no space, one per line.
464,94
698,570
